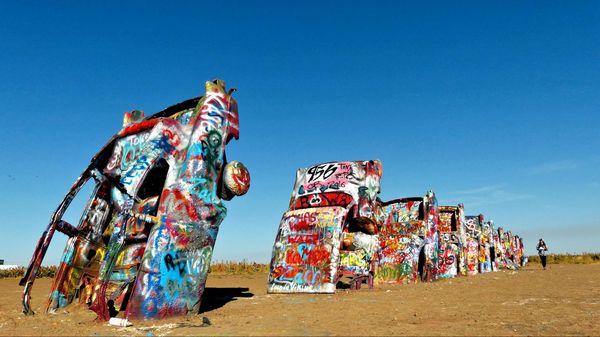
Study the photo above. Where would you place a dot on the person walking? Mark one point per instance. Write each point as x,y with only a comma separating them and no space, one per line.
542,249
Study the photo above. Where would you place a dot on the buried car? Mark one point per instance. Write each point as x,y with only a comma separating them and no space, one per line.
452,261
408,239
505,250
487,248
473,233
145,239
519,251
328,233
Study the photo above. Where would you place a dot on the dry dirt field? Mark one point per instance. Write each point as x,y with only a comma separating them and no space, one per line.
564,300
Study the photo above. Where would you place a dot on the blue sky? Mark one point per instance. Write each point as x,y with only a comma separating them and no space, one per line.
495,105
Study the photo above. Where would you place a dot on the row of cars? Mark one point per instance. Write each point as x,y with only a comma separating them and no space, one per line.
338,233
143,244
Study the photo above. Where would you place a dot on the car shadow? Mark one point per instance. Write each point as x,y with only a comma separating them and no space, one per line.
214,298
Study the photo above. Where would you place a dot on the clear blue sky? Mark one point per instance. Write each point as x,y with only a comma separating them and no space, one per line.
495,105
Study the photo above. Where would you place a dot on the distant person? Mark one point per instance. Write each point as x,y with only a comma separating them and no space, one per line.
542,249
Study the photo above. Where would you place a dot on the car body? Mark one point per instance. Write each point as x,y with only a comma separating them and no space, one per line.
452,261
473,234
317,242
145,239
520,251
500,248
487,251
513,249
506,254
408,238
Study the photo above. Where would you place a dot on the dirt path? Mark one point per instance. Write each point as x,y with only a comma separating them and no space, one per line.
564,300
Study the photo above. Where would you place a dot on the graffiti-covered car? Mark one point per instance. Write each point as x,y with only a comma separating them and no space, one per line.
505,254
500,248
519,252
473,234
487,248
452,260
145,239
512,250
408,240
327,234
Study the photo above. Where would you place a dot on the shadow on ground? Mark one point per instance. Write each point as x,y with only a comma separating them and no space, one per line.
214,298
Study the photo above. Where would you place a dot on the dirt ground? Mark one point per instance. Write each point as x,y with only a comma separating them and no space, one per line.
564,300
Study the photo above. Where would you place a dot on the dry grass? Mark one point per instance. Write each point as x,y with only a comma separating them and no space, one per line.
20,271
217,267
232,267
585,258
